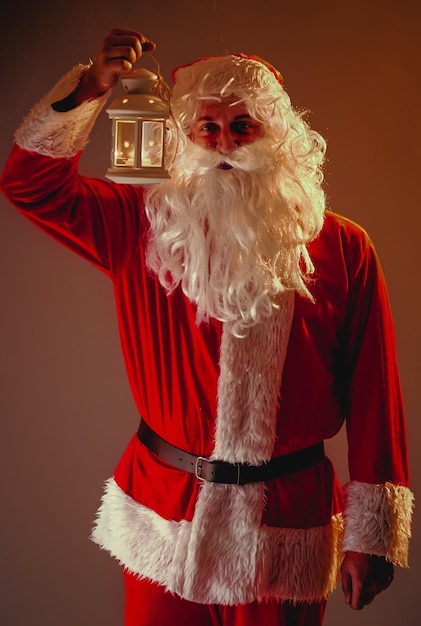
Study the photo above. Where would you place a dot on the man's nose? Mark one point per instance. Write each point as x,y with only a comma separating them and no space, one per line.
226,142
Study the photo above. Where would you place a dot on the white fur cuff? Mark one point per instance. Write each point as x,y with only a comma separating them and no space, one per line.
60,135
378,520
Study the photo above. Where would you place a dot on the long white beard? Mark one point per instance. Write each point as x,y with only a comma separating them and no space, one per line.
231,238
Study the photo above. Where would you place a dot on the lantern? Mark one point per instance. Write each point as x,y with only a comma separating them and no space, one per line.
138,130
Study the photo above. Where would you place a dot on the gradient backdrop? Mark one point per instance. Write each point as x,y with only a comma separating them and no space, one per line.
66,409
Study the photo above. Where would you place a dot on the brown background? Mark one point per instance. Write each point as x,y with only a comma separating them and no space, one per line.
66,409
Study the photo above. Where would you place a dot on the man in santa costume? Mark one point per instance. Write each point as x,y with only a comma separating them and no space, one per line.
253,324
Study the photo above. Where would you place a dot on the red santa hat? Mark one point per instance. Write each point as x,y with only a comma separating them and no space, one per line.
240,55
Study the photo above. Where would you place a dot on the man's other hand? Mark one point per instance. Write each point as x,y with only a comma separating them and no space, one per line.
363,577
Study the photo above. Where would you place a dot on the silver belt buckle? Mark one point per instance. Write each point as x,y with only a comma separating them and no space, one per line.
198,467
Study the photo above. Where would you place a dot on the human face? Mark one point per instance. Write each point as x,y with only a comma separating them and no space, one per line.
224,126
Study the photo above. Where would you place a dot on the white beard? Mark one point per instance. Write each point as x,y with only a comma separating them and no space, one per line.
231,237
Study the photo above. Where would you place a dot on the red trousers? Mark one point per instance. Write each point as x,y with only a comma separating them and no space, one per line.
148,604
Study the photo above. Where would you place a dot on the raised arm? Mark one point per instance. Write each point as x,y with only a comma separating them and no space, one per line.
41,178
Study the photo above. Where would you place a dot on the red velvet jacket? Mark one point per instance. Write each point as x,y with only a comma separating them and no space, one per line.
340,365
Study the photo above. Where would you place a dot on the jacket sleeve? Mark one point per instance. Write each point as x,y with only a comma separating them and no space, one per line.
378,501
98,219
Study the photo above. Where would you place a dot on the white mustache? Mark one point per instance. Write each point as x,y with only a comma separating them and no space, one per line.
258,156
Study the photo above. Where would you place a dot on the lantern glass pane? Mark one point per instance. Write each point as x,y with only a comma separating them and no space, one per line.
124,143
152,143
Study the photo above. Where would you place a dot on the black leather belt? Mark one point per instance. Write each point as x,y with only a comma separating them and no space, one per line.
229,473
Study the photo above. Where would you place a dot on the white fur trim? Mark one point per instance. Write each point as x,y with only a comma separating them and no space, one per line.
248,392
60,135
378,520
249,385
259,562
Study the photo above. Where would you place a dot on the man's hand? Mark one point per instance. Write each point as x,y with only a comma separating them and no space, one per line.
363,577
118,52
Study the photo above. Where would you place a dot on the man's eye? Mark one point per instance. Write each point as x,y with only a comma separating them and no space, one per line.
241,128
209,128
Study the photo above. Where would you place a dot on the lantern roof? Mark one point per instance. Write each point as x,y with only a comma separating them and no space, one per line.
142,96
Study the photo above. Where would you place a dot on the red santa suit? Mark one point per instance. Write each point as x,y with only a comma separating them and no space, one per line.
288,385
